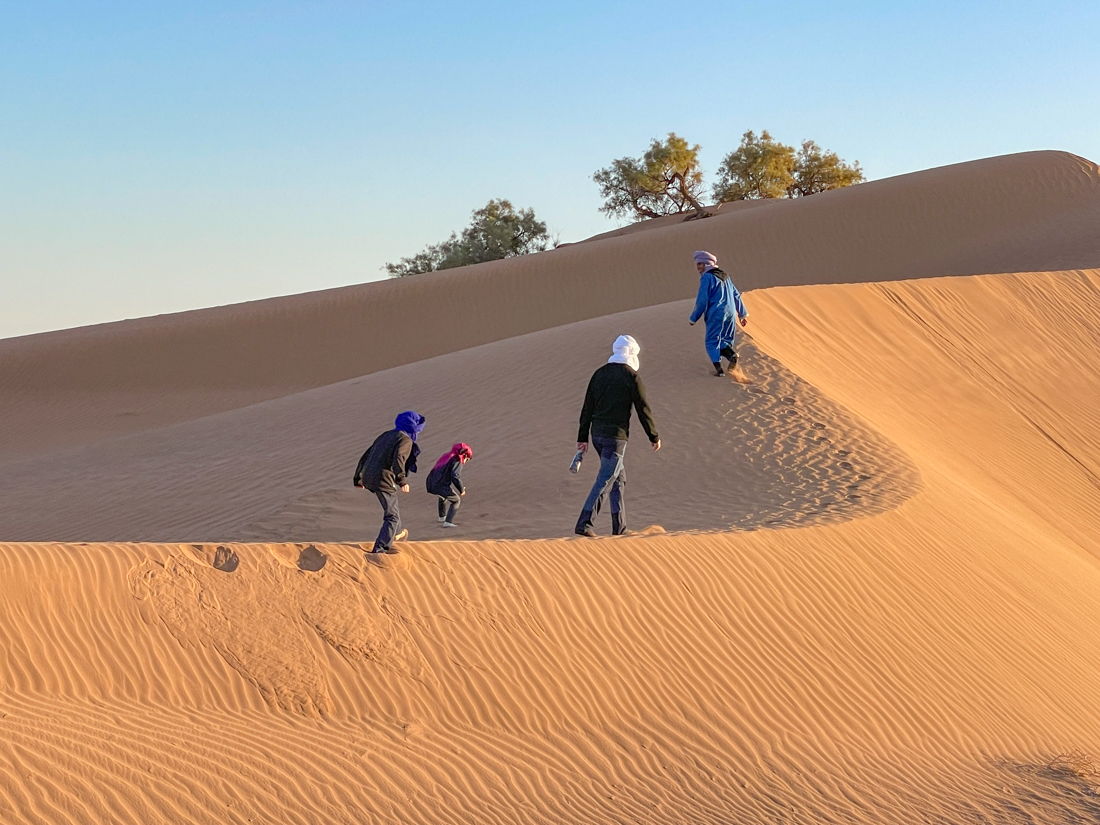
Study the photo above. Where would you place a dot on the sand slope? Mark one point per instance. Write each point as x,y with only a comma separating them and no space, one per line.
921,664
1028,212
281,470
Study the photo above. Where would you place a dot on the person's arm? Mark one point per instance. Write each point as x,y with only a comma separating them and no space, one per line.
357,479
739,304
702,299
586,414
641,405
456,477
401,455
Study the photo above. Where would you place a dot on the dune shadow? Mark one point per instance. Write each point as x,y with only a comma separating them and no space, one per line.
774,454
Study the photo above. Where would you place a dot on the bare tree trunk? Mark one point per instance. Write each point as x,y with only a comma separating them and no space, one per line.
681,184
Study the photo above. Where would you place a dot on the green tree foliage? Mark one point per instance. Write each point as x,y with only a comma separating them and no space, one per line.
816,170
762,167
496,231
664,181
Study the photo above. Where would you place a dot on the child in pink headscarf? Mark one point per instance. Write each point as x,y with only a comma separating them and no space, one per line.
445,482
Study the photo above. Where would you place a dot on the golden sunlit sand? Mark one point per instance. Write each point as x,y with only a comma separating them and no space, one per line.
864,588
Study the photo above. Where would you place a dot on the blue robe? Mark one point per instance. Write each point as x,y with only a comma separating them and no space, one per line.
720,303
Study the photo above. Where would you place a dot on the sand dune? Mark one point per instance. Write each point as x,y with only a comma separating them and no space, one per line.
868,595
923,663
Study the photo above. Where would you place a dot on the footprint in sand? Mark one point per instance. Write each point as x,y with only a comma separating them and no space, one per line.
222,558
311,560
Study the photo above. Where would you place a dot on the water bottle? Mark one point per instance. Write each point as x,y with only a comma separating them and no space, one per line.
577,459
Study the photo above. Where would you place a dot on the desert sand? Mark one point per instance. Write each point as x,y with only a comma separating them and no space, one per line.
864,589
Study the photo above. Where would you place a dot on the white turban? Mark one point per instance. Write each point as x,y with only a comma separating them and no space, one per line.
626,351
702,257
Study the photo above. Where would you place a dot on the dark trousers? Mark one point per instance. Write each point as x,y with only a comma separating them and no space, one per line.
448,506
611,476
391,519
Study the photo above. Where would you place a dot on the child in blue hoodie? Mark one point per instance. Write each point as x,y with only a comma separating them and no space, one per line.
384,469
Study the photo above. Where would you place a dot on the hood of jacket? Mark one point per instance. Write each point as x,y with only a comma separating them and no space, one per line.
625,351
410,423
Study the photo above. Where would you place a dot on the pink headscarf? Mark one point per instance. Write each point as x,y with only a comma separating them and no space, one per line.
458,451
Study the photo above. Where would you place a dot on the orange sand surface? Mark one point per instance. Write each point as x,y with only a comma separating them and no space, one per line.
873,595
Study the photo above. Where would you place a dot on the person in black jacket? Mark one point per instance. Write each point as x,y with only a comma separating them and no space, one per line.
445,482
384,469
613,390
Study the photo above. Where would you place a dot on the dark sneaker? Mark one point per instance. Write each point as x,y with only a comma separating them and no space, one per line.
586,531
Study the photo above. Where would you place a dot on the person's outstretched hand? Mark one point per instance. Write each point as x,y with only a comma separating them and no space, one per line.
656,445
582,446
404,488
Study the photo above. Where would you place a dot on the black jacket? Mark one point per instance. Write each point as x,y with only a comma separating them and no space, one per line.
387,462
613,390
447,480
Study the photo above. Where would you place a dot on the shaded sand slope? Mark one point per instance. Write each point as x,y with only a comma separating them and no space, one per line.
1033,211
778,453
920,665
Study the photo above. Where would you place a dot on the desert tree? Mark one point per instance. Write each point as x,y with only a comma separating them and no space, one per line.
665,180
496,231
761,167
816,170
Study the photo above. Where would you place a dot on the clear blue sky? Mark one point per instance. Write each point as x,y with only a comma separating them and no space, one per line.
165,156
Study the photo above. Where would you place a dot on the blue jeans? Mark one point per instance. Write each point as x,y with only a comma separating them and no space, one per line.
391,519
448,506
612,475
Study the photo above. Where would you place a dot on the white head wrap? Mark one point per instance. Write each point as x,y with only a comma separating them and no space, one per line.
626,351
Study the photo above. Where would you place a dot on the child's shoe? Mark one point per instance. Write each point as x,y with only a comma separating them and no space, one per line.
449,524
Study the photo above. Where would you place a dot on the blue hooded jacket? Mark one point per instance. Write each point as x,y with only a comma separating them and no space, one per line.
720,303
388,461
410,423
